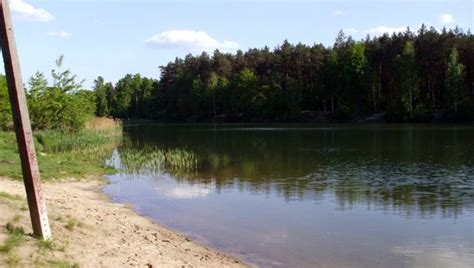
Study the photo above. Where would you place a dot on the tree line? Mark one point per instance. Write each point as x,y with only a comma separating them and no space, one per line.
421,76
405,77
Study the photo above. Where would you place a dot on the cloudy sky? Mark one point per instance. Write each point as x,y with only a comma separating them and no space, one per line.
115,37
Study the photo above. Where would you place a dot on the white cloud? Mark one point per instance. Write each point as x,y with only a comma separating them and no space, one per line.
61,34
28,12
446,18
338,12
380,30
195,41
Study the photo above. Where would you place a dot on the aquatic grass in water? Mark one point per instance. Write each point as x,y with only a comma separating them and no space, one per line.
293,197
155,159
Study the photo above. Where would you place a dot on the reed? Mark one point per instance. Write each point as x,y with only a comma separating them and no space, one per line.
60,142
103,123
63,154
156,159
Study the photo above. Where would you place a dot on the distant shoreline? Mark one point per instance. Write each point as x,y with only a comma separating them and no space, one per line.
327,119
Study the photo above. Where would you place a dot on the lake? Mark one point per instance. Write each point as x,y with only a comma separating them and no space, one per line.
307,195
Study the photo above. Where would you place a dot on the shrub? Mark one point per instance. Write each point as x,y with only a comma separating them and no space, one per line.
63,106
5,109
396,112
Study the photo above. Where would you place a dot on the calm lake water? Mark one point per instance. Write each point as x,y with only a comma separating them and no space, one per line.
308,196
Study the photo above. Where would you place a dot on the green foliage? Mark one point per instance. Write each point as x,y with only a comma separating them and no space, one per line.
61,154
396,111
454,83
61,264
407,76
407,81
102,105
131,97
72,223
153,159
58,142
157,159
62,106
246,98
353,68
8,196
421,115
5,109
15,238
461,112
46,245
343,114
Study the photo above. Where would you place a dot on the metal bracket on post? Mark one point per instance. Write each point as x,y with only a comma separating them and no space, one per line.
21,120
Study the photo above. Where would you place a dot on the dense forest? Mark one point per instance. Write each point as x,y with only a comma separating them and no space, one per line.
404,77
422,76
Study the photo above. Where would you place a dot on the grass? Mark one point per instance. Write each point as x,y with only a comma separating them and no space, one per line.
46,245
8,196
17,218
151,159
16,241
62,154
15,238
13,260
57,263
61,264
72,223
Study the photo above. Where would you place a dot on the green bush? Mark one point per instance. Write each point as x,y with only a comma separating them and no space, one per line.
62,106
5,109
466,109
343,113
465,112
396,112
420,115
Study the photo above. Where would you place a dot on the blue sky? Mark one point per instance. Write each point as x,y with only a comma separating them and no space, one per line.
112,38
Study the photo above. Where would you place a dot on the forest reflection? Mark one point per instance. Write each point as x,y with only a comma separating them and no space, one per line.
416,171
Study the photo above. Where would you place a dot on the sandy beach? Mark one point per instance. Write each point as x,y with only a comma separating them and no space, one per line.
91,231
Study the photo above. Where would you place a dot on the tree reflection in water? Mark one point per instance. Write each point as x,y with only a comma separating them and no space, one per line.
418,171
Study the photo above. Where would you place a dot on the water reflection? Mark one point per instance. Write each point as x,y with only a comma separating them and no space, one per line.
454,253
300,196
416,171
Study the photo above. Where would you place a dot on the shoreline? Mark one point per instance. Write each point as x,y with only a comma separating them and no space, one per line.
90,230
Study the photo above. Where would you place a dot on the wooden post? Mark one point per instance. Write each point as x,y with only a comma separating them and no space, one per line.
21,120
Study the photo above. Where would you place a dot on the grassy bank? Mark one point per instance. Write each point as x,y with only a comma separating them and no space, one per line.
64,154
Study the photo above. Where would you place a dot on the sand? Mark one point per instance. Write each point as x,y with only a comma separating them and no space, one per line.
90,231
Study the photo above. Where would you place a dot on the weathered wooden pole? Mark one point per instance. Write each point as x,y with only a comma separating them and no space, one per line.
21,120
